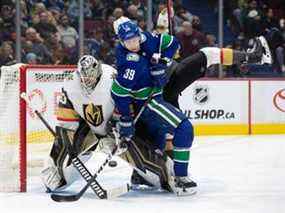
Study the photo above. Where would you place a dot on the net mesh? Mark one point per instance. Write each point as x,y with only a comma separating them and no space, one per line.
9,131
43,86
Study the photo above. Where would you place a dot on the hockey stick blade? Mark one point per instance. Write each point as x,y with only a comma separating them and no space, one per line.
111,193
65,198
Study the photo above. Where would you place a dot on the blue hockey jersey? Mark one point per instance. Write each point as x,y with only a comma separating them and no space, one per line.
133,83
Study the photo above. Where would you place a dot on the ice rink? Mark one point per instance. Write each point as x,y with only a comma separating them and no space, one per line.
235,174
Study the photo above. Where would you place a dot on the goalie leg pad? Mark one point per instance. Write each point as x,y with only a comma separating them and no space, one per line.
58,172
148,163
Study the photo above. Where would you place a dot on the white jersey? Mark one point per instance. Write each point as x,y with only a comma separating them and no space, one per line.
96,109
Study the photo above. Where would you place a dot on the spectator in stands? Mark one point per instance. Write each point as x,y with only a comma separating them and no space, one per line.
45,28
38,9
67,34
141,23
253,20
27,47
95,42
26,19
7,26
107,54
58,53
141,9
109,34
97,8
31,58
6,54
180,16
269,20
56,13
43,54
118,12
191,39
196,23
133,13
73,10
211,40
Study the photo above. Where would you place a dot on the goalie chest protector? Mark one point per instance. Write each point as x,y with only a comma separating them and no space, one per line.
98,107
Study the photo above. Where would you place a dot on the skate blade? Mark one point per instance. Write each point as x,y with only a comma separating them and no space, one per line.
266,57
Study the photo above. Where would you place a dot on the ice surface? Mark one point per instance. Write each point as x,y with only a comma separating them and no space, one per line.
235,174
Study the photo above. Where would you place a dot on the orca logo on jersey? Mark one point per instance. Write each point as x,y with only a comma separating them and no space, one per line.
93,114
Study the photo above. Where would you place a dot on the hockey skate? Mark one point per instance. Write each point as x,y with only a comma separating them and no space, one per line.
259,53
183,186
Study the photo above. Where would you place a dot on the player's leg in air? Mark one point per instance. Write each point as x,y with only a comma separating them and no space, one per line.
194,67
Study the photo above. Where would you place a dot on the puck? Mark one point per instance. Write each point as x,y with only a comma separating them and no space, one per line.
112,163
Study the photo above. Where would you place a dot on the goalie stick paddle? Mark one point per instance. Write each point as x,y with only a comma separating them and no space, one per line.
80,167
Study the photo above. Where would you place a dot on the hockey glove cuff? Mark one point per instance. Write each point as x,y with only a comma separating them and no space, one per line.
159,75
126,128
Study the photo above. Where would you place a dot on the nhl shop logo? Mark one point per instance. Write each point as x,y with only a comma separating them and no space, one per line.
201,94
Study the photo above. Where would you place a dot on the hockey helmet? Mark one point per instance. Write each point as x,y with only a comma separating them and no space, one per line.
89,69
128,30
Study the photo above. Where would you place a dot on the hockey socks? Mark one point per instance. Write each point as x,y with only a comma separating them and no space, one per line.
182,142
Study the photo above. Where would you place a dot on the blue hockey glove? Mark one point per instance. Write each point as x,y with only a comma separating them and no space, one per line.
157,59
159,75
126,128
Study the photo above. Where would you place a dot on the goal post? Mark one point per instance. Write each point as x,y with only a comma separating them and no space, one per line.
20,130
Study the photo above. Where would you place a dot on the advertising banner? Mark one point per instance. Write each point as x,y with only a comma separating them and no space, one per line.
268,107
212,105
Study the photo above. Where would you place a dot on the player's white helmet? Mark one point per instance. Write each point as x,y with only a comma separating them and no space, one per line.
89,69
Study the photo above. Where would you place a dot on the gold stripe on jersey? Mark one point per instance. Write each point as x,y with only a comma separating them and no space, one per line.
64,114
227,56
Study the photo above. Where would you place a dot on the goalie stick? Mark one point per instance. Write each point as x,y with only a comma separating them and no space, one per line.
80,167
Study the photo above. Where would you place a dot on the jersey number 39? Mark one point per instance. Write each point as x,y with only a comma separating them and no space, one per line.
129,74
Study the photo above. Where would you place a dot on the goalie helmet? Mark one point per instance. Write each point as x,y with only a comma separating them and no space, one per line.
89,70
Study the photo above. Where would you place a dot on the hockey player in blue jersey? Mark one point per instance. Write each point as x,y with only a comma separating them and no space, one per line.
139,81
182,74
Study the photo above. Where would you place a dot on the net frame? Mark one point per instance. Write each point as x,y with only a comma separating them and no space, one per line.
22,133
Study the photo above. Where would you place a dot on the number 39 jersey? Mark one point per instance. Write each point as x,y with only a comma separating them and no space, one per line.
95,109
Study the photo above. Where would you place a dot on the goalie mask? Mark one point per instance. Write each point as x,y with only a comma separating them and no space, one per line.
89,70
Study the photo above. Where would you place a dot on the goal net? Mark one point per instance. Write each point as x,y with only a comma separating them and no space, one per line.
24,140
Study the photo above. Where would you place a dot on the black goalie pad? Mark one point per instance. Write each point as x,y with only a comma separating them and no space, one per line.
148,162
